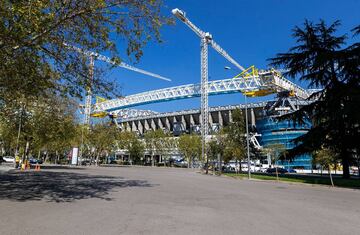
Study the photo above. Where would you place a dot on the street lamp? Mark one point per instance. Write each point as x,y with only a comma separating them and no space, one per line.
247,136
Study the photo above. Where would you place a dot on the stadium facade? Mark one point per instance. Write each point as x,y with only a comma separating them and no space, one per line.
262,120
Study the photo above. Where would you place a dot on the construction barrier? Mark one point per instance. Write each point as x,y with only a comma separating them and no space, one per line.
37,167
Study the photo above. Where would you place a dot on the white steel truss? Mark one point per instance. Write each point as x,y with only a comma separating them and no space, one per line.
196,111
266,80
131,113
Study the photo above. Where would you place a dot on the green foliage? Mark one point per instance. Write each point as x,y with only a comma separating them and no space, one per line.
48,124
322,59
276,152
155,141
33,34
190,146
102,139
235,137
325,157
129,141
38,69
216,146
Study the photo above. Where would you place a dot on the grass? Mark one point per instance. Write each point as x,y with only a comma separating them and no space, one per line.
306,179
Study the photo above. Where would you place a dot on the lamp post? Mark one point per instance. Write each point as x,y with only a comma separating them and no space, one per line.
247,137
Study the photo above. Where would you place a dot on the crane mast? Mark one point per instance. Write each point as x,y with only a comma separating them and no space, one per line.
89,91
206,39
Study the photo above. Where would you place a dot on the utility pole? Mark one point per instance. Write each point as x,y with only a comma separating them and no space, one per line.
247,137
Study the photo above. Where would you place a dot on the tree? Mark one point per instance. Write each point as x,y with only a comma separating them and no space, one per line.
276,152
129,141
34,39
37,62
46,124
154,143
102,139
325,157
322,59
217,145
190,146
235,138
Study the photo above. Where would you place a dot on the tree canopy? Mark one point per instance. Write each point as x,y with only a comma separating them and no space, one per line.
34,39
190,146
323,59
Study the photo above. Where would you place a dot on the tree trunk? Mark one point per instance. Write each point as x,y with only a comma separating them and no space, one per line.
152,160
346,165
219,164
46,156
56,157
207,165
97,159
321,170
331,179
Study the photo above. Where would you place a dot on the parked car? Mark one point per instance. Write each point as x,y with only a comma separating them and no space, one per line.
34,161
290,170
279,170
180,163
9,159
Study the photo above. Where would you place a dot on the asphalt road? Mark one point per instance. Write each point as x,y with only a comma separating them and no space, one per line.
145,200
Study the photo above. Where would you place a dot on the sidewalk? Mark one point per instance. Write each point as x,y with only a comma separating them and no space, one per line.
6,168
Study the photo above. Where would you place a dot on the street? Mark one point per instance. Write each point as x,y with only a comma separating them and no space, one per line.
152,200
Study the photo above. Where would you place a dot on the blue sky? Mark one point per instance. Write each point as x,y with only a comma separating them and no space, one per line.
250,31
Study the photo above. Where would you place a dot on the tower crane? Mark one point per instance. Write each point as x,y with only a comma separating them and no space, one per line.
92,56
206,39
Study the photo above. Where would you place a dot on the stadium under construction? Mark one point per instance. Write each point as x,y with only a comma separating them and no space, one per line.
264,128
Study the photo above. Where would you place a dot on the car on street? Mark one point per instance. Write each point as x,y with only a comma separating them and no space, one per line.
180,163
290,170
9,159
34,161
279,170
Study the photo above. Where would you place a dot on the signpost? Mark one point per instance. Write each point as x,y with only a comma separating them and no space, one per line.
74,156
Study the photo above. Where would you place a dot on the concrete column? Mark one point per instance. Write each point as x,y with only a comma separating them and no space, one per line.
211,121
133,126
221,121
160,123
183,121
140,127
152,124
230,117
192,122
252,113
146,125
128,126
167,124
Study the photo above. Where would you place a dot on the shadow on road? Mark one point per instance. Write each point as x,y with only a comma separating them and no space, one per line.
59,167
61,186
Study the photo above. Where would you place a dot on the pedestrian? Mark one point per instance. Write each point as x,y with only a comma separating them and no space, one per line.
17,161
